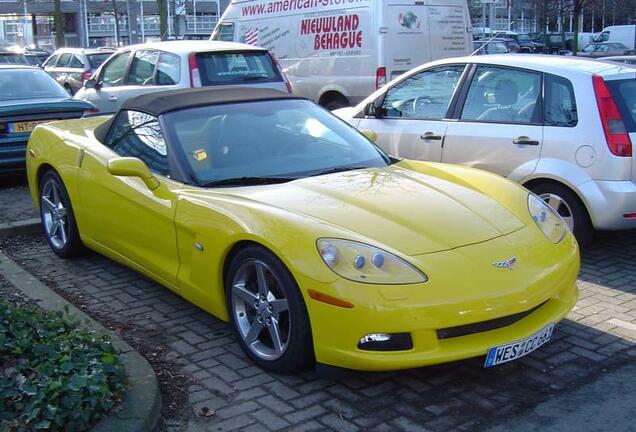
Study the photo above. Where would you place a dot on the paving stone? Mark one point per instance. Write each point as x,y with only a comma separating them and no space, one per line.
458,396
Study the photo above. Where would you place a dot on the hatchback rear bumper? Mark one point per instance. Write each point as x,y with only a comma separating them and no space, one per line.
612,204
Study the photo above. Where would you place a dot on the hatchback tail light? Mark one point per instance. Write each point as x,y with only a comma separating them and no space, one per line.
282,73
616,134
86,75
195,77
380,77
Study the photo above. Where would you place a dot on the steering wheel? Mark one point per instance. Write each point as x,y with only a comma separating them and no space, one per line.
421,101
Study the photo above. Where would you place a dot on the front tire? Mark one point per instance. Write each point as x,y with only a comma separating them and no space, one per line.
267,312
56,214
569,206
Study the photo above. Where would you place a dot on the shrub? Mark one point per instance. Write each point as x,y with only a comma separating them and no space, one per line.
53,374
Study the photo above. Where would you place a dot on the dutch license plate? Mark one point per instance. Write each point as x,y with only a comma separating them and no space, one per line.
515,350
26,126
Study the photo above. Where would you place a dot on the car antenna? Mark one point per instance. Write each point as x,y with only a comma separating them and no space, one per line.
490,40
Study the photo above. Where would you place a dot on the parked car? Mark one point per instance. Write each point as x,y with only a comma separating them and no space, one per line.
160,66
627,59
72,66
337,52
556,43
528,45
13,58
604,49
521,117
28,97
264,209
490,46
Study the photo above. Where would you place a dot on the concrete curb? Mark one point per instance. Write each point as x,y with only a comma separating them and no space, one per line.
28,226
141,406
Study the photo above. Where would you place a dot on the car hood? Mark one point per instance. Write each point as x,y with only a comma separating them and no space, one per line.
43,105
405,210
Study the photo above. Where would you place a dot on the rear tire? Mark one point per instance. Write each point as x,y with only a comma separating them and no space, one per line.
267,312
56,214
570,207
335,102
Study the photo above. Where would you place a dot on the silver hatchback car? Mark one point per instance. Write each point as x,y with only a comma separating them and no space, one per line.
561,126
72,66
160,66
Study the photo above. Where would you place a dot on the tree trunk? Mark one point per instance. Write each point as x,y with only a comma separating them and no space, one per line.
162,6
59,24
116,23
575,24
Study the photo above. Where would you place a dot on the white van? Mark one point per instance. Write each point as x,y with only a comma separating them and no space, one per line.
337,52
624,34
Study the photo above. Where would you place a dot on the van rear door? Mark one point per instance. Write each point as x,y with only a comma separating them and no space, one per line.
449,24
407,41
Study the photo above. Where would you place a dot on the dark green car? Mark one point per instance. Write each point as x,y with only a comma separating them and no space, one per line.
28,96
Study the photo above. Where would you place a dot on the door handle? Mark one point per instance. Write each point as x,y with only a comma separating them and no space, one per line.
430,136
113,98
524,140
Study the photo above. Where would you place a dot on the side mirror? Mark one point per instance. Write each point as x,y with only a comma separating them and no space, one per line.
91,84
371,135
372,110
133,167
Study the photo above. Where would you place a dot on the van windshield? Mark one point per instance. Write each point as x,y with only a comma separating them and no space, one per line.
236,67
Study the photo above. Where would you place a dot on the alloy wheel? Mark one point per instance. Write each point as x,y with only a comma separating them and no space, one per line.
261,310
561,206
54,214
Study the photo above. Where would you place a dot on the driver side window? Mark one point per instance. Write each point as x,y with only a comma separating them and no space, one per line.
137,134
426,95
113,73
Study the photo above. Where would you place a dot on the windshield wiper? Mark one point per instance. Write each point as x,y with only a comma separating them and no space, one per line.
254,77
338,170
248,181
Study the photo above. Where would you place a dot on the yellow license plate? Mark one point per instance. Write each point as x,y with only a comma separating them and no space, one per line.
26,126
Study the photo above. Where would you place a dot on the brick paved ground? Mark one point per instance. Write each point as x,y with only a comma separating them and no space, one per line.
15,201
227,392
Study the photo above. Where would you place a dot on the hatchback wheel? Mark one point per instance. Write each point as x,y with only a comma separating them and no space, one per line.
56,214
267,312
570,208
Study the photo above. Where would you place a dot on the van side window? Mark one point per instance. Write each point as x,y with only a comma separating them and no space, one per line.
425,95
225,32
560,105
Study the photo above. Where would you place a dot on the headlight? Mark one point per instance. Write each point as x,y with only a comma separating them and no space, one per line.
546,218
363,263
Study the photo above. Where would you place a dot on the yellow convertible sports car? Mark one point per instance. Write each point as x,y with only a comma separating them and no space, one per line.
266,210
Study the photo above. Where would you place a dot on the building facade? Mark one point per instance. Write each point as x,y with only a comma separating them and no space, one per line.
91,23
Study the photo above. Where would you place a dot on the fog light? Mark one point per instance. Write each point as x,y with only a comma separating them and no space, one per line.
386,342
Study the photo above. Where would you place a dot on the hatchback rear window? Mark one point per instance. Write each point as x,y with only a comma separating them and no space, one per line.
10,58
624,92
229,68
96,60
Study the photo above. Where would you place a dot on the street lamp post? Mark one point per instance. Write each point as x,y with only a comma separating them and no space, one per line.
143,23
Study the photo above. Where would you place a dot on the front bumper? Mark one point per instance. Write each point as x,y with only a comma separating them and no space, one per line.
464,288
12,155
608,202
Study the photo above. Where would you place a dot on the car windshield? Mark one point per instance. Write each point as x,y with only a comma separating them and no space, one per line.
282,139
13,58
96,60
29,84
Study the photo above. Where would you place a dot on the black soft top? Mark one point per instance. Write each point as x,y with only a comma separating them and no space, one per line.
159,103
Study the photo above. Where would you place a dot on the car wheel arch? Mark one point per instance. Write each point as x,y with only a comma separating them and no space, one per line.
331,96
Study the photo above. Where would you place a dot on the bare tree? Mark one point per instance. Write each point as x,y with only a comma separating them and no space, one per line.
162,7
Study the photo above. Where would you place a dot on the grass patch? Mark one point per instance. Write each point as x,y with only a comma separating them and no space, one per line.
53,374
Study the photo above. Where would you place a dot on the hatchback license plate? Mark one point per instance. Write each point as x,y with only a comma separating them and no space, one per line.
515,350
26,126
